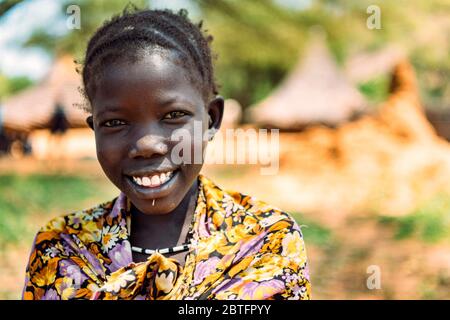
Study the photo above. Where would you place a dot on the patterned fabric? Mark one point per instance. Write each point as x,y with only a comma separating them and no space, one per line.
243,249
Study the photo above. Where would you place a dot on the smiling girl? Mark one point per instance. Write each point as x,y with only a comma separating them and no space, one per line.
171,233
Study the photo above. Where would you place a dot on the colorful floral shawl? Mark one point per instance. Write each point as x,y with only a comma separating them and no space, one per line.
243,249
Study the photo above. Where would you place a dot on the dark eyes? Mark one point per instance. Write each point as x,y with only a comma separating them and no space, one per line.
175,115
113,123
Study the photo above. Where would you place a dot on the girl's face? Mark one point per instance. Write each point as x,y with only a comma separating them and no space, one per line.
136,109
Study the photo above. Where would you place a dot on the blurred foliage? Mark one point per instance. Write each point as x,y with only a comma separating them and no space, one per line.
7,5
92,13
430,222
313,232
12,85
377,89
22,196
259,41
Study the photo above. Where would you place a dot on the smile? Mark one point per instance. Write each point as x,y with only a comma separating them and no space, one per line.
147,185
153,181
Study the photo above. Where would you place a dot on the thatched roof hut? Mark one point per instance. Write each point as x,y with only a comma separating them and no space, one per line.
365,66
34,108
314,92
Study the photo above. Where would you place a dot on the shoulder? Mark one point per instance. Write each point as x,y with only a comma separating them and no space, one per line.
236,208
271,242
86,223
282,233
269,217
278,237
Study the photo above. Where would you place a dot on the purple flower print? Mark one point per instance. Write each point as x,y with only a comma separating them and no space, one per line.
118,205
94,215
93,261
52,252
50,294
75,220
203,228
228,205
250,247
120,256
79,249
227,284
71,270
306,272
268,288
204,269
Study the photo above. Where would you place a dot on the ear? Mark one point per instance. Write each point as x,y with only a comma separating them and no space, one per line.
90,122
215,114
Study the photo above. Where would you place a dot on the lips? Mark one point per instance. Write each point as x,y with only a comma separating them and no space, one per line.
150,184
153,180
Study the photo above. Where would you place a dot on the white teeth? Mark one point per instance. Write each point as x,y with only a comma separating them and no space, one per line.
146,181
153,181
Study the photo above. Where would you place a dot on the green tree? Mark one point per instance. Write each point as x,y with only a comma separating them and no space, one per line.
8,5
93,14
11,85
259,41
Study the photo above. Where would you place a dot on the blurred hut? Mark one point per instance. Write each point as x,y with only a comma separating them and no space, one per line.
315,92
368,65
232,114
391,157
46,116
33,108
5,141
440,119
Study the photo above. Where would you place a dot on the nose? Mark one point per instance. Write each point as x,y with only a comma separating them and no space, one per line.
148,146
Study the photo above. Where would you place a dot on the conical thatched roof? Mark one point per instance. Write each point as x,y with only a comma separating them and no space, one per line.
314,92
34,107
368,65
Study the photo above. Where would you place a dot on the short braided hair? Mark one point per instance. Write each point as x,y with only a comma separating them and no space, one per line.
128,35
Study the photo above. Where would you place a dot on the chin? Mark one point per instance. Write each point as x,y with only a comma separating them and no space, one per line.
161,206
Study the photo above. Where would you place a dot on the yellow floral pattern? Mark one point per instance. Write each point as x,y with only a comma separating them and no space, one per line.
242,249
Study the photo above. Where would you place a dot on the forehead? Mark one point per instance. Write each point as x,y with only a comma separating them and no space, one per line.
150,79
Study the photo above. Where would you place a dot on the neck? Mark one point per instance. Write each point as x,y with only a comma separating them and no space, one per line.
164,226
